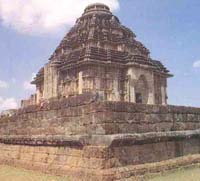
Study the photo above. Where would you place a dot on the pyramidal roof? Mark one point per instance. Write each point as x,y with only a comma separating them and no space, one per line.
98,36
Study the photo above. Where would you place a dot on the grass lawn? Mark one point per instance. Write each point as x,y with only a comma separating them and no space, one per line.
14,174
190,174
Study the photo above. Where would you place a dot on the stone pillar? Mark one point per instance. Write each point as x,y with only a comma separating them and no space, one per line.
38,95
116,90
39,92
132,91
163,95
151,98
50,81
55,81
80,82
131,85
96,84
98,89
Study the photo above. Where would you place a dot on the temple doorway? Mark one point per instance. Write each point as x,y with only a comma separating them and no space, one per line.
141,90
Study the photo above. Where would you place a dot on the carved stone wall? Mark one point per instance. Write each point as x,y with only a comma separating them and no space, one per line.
111,83
69,83
107,82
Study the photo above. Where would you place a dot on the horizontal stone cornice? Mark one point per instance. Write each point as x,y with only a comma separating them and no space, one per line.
115,140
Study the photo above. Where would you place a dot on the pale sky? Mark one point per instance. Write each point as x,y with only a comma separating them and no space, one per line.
30,30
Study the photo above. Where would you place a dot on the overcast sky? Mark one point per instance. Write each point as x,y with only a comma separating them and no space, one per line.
30,30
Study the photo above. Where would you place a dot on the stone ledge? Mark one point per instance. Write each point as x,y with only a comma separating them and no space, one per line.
134,171
69,141
145,138
115,140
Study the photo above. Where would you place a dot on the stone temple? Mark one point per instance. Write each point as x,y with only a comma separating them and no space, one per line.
102,56
100,110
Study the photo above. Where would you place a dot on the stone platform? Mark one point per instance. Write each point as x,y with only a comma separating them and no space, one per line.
89,139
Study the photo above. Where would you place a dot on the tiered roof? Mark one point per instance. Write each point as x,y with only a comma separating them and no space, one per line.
99,36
